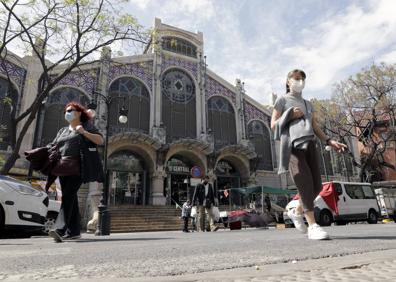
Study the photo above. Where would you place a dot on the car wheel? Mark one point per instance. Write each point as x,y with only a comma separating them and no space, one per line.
325,218
372,217
50,222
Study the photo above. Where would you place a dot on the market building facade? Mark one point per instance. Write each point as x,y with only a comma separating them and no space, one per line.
180,115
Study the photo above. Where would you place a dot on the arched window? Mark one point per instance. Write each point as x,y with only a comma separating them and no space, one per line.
125,161
8,101
54,111
179,46
260,136
137,101
178,105
221,119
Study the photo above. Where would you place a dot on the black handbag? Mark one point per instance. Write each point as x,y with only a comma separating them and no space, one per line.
66,166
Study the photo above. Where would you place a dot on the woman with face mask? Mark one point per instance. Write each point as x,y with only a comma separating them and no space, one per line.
70,143
295,125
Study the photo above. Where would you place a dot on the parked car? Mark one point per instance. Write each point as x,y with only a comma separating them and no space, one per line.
22,208
52,214
356,202
53,205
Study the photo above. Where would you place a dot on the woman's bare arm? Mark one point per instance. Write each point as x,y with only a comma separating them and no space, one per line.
275,116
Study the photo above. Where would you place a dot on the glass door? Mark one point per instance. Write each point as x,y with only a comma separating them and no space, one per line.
127,188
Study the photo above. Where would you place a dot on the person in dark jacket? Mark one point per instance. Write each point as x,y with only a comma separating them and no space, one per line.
71,142
205,199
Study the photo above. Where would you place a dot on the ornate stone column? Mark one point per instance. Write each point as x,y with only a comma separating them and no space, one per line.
157,192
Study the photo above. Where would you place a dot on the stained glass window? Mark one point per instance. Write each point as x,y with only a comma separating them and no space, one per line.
178,105
179,46
8,101
260,136
137,101
221,120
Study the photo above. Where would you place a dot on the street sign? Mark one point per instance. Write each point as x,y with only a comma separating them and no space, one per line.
196,172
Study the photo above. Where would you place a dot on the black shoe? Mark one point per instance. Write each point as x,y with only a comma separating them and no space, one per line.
186,231
68,237
55,235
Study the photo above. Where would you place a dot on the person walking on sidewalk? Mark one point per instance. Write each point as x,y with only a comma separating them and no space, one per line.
295,126
204,198
186,214
79,163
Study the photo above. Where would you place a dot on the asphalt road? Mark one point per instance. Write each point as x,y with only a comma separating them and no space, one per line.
174,253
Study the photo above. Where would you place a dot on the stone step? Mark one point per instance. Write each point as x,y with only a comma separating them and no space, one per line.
140,222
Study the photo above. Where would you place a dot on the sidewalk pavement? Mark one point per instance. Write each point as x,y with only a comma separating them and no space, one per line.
373,266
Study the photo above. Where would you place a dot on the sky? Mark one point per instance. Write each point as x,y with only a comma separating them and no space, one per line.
260,41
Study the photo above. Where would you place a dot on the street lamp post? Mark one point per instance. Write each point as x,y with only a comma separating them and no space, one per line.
103,226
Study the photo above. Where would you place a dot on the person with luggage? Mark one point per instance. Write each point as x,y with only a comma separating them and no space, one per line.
74,167
204,198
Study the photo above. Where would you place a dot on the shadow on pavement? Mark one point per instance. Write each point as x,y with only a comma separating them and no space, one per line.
364,238
117,240
10,244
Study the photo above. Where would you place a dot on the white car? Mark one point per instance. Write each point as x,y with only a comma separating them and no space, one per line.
22,208
356,202
52,214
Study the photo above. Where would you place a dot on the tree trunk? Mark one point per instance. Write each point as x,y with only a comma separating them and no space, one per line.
10,162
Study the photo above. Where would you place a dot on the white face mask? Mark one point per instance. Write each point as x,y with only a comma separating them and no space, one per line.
69,116
296,85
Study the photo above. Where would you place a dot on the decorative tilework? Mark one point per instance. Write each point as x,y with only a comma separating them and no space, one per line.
251,112
215,88
16,73
168,61
142,70
85,80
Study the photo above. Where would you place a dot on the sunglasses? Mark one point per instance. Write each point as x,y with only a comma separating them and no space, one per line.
70,110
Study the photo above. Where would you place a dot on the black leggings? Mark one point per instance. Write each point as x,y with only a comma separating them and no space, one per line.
305,170
71,212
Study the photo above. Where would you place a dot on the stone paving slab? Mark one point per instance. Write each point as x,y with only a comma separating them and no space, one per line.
372,266
220,256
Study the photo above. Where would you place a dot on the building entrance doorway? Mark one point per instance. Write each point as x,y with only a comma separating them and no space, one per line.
178,188
226,177
127,179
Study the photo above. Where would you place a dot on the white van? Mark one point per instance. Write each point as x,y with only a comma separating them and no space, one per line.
356,202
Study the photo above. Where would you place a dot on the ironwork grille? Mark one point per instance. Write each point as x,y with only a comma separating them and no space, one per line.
260,136
179,46
221,117
137,101
8,100
178,105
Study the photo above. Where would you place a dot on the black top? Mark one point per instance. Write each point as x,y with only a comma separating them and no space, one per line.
69,140
202,198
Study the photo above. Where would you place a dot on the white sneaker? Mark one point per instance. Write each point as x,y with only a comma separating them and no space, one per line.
315,232
298,220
